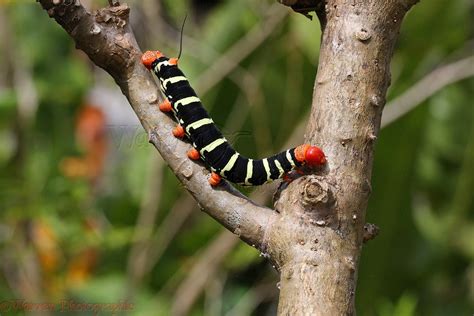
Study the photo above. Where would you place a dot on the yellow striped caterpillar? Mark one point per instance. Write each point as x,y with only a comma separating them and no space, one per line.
209,144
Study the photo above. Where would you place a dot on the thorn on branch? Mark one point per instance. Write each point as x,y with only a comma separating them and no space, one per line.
370,231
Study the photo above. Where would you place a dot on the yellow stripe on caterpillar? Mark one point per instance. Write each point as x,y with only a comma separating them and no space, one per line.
249,171
290,159
161,64
280,169
230,163
186,101
199,123
266,166
173,80
213,145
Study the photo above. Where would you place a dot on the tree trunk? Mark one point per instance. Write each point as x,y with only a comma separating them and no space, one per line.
318,239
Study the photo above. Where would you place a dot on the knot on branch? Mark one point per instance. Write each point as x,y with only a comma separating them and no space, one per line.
363,35
316,192
370,231
117,15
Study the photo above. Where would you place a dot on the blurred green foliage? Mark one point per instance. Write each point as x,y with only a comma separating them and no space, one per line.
73,237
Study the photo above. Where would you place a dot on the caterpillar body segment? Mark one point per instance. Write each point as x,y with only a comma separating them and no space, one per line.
208,142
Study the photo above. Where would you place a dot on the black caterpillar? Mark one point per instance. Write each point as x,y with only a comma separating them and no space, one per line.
208,143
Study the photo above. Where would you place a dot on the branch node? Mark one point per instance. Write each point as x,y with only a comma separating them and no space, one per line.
376,100
95,29
187,171
315,192
237,231
372,137
363,35
370,231
152,98
117,15
350,263
114,3
321,222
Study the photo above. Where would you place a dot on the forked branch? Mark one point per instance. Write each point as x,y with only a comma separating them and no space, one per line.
106,37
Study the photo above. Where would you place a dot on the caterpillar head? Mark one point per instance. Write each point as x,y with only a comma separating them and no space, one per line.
149,57
311,156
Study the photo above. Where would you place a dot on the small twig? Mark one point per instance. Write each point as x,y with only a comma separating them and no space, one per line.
426,87
210,259
240,50
139,252
262,291
213,296
168,229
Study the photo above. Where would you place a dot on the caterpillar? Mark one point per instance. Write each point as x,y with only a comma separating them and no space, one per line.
209,144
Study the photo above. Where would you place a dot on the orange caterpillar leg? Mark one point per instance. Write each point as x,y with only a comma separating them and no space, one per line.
287,178
193,154
178,131
215,179
173,61
165,106
299,171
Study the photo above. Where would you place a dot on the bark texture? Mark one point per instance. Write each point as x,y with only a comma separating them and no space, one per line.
317,240
315,236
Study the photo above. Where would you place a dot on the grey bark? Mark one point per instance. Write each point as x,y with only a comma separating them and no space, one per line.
318,239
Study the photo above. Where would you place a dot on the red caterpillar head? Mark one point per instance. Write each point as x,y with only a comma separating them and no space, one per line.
311,156
149,57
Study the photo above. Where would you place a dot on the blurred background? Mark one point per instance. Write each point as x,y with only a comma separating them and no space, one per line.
90,213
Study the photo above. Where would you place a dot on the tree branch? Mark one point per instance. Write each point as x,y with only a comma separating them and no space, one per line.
316,242
105,36
426,87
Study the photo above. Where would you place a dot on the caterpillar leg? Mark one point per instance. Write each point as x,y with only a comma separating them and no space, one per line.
165,106
215,179
287,178
193,154
299,171
178,131
173,61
